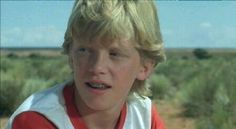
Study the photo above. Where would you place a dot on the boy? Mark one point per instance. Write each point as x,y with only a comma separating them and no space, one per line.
113,47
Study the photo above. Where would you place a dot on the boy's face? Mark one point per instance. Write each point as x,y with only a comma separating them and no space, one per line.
104,71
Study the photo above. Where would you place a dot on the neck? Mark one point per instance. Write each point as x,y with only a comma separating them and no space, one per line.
98,119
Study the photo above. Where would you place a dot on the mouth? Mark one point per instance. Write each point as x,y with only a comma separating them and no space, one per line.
97,86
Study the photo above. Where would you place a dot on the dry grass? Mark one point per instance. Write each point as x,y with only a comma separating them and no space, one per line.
3,122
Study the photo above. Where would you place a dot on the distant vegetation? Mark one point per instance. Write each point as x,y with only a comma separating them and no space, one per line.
201,53
206,89
21,76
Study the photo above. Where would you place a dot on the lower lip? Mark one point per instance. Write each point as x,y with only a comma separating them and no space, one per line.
97,91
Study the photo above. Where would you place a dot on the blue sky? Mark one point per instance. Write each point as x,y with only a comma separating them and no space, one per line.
189,24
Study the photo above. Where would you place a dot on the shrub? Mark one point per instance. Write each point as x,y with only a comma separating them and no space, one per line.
23,76
161,87
12,55
201,53
222,115
9,89
210,95
197,97
33,85
34,55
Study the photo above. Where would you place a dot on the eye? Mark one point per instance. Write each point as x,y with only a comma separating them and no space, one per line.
82,51
114,54
117,54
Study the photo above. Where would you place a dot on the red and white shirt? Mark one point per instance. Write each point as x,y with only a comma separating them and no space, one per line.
55,108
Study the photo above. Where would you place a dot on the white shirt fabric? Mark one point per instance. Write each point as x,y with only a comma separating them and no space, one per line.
51,104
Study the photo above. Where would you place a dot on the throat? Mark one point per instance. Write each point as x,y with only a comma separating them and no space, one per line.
102,120
99,119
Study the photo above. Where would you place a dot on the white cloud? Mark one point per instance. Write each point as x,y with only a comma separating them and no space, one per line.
43,36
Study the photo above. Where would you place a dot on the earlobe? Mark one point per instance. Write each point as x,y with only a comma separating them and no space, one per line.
145,70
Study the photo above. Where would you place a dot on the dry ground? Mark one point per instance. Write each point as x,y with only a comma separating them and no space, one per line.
169,112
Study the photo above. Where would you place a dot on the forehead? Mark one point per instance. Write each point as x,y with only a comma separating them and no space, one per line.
104,41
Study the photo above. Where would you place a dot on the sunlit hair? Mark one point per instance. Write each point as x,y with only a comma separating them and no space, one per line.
135,20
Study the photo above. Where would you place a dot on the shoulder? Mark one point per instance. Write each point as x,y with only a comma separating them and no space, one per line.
143,114
42,101
43,98
140,105
141,102
138,113
32,120
139,108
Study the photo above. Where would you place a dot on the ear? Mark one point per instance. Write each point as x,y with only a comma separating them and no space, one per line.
146,70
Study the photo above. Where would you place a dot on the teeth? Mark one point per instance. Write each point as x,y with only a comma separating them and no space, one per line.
96,85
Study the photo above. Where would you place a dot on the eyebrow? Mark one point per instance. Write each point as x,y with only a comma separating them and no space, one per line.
120,48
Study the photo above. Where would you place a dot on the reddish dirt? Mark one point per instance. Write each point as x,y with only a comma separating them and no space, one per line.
170,113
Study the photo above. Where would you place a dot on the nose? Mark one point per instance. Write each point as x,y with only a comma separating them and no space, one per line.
98,64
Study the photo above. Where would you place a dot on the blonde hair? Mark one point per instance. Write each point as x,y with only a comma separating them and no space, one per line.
136,20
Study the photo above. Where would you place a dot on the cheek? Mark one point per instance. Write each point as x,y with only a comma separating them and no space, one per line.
126,75
78,68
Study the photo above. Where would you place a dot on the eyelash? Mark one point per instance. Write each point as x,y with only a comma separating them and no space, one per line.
114,54
82,50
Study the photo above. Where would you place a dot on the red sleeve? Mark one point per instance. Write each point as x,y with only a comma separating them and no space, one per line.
32,120
157,123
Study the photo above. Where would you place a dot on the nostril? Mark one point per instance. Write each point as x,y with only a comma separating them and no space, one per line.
97,70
